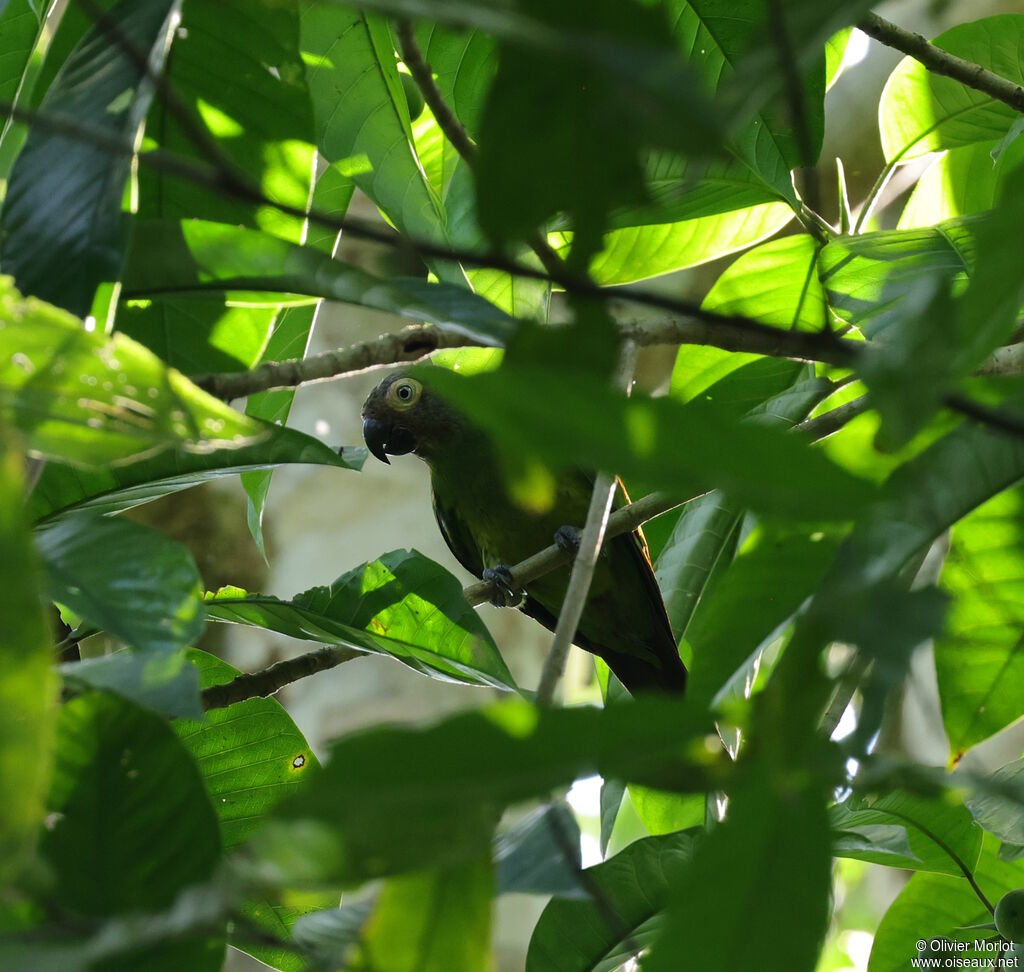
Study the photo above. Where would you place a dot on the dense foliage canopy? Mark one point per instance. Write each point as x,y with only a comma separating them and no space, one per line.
840,454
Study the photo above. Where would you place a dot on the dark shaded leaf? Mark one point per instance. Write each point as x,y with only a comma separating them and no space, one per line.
398,799
132,582
997,807
62,231
193,255
541,854
635,886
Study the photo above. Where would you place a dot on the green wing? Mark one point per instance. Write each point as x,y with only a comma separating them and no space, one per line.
459,539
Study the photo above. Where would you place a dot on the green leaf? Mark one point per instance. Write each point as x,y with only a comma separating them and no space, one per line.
433,922
238,69
397,799
979,659
777,283
922,112
250,754
583,154
996,807
21,27
541,854
28,688
934,906
132,582
87,400
134,825
770,860
959,182
62,489
328,936
166,683
63,230
403,605
194,255
290,338
635,886
576,419
877,281
350,59
908,831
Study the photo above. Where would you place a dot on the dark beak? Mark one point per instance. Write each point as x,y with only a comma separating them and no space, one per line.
383,438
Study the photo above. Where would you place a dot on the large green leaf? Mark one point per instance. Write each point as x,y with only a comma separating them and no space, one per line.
27,685
290,338
770,860
979,659
164,683
571,418
438,921
959,182
878,281
87,400
132,582
936,906
634,887
403,605
64,489
350,60
922,112
995,808
21,29
908,831
192,256
250,755
237,68
63,230
397,799
134,826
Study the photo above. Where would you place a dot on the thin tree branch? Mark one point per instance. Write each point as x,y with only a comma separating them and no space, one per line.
420,340
409,344
452,128
273,679
938,61
585,562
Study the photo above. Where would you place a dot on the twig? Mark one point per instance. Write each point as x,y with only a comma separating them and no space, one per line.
409,344
942,62
1003,361
452,128
832,421
273,679
420,340
585,562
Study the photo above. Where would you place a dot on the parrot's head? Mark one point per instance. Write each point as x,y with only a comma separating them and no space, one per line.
401,416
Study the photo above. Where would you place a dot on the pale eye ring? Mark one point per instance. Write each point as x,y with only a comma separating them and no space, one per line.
404,393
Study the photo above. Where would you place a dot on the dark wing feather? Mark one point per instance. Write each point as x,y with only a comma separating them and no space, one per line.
460,541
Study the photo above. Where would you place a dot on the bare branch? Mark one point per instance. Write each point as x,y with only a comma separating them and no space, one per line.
273,679
938,61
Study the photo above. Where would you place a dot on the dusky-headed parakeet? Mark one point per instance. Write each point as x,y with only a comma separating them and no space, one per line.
624,620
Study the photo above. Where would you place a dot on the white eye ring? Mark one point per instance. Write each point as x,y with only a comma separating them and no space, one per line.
405,393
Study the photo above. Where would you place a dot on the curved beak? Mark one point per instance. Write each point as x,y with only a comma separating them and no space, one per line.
383,438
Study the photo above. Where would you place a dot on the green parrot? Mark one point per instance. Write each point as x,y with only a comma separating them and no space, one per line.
624,620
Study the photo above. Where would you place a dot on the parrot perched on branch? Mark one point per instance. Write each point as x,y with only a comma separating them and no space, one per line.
624,620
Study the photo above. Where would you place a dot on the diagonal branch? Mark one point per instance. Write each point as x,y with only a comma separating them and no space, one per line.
938,61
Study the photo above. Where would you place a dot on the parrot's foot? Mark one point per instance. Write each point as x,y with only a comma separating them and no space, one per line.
567,539
504,594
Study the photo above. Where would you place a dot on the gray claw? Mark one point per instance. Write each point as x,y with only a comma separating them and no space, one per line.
567,539
504,594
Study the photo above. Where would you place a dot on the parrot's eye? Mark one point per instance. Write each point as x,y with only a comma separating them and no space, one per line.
404,393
